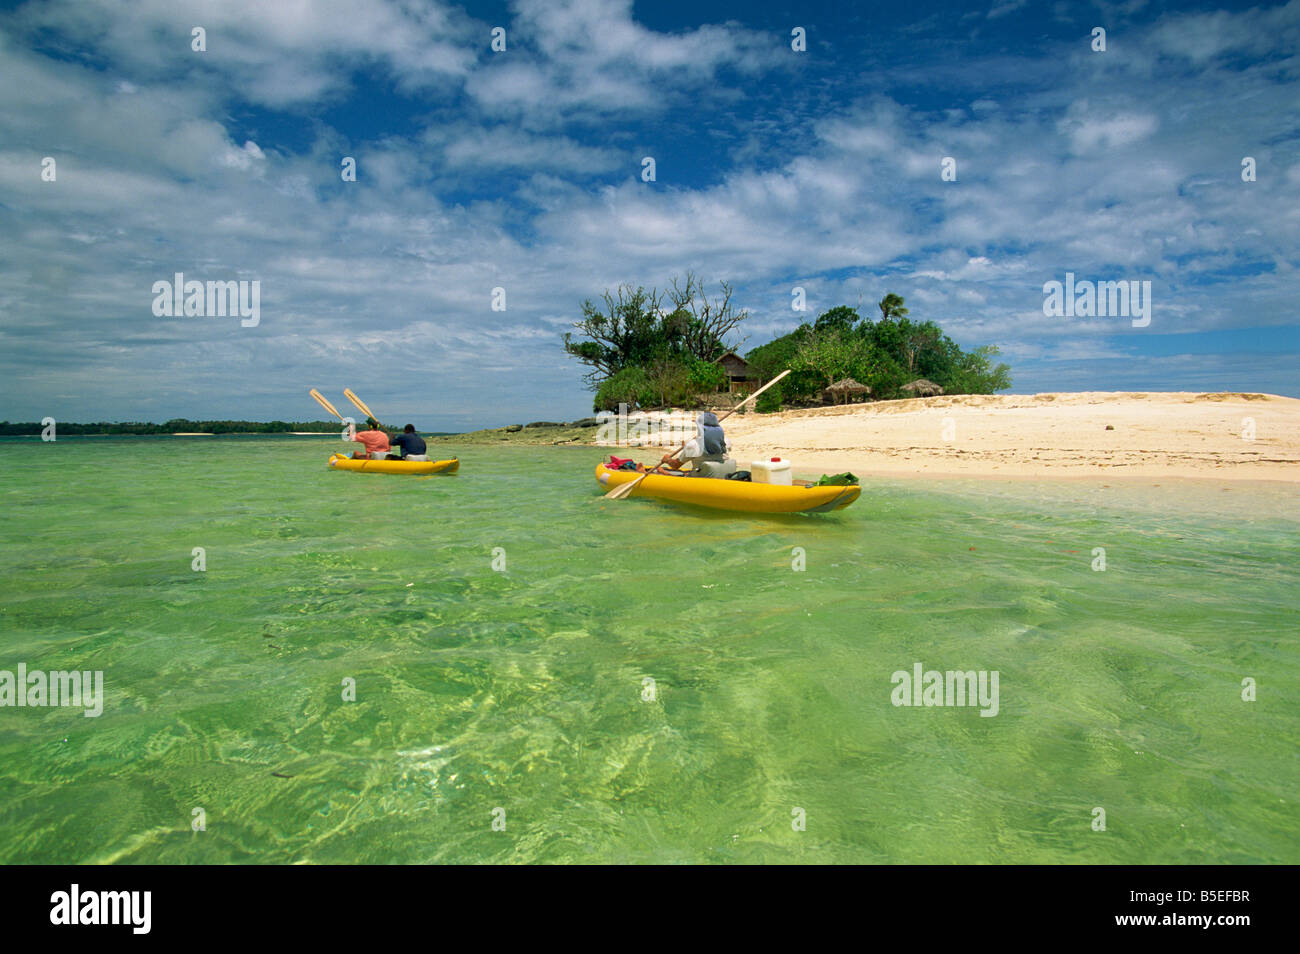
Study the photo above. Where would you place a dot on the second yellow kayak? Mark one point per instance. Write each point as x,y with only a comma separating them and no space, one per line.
741,495
341,462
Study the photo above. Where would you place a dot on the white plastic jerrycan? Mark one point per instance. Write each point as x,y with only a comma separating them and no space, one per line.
773,471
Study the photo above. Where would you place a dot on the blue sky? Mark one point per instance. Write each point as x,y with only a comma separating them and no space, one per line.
522,169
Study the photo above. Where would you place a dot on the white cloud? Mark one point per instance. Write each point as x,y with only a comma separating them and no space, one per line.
1089,133
592,56
246,158
1004,7
505,147
1202,37
977,269
275,54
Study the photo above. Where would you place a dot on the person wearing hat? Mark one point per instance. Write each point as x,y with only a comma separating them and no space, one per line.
706,451
375,441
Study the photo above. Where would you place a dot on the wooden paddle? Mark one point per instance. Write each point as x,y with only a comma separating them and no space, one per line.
361,405
320,399
622,490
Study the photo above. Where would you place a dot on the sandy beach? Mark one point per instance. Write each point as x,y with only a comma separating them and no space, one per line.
1231,436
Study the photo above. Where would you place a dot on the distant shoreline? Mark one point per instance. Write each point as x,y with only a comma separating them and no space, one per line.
101,429
62,436
218,435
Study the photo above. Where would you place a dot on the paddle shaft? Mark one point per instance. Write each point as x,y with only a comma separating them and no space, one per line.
361,405
625,490
735,409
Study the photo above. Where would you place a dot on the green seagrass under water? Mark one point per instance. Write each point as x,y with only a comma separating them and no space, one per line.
519,695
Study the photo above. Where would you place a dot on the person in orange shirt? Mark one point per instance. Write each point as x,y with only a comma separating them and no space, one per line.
375,441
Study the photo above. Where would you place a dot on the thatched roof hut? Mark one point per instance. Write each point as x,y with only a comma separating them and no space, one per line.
844,388
922,387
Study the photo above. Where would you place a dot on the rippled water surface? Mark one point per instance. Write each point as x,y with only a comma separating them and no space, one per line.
519,695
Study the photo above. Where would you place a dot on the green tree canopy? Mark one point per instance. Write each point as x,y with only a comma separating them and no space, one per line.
884,355
841,316
654,346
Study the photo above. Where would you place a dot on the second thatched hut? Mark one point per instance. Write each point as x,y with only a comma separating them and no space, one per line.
843,390
923,387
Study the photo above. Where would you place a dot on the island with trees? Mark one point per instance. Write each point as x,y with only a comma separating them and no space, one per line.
651,349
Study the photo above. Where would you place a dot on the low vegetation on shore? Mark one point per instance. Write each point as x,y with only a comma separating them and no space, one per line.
538,432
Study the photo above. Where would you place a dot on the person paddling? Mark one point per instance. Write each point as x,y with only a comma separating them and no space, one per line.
706,451
375,441
412,445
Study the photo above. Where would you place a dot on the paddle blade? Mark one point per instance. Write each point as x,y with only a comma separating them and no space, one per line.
361,405
320,399
623,490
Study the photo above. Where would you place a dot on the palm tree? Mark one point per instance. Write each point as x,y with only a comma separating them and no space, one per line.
891,306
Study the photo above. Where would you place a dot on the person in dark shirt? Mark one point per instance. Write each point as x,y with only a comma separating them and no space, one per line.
412,445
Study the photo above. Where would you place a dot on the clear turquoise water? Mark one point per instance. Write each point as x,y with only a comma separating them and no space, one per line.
522,690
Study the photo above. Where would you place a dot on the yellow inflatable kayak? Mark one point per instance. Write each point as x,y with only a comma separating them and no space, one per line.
739,495
342,462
